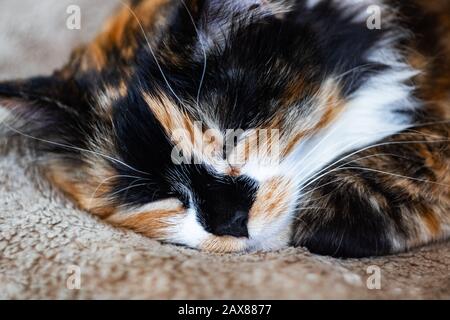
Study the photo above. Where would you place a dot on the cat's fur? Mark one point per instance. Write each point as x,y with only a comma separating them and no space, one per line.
362,117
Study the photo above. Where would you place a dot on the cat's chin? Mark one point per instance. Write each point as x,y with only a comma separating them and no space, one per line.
262,242
229,244
215,244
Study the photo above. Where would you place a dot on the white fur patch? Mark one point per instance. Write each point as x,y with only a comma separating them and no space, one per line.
270,234
187,230
368,117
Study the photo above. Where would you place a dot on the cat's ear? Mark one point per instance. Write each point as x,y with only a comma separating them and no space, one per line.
43,102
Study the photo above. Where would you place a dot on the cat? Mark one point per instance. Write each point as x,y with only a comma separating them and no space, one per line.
134,127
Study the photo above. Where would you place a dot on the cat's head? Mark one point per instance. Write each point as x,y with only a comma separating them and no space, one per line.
201,122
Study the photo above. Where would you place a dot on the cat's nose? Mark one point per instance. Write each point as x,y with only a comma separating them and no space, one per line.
235,226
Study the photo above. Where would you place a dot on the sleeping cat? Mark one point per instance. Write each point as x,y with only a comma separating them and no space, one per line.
153,125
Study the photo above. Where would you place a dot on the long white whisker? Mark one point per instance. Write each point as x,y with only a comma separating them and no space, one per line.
301,199
73,148
341,75
355,160
131,186
106,180
425,124
364,149
315,148
152,52
395,175
204,54
340,168
418,125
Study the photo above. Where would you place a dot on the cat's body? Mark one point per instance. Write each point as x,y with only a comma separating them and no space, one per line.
359,116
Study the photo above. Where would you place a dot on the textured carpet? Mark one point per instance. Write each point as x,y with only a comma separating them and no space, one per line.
42,236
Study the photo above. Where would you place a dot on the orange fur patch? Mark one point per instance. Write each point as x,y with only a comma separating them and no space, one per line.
174,121
330,104
191,137
120,30
87,187
153,224
432,223
294,91
223,245
273,199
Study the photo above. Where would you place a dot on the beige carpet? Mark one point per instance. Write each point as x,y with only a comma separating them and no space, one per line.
42,235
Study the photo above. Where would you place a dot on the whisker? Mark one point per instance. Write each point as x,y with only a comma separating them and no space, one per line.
302,196
106,180
358,68
316,177
306,227
130,186
152,51
204,54
417,125
426,124
396,175
419,133
316,147
73,148
341,168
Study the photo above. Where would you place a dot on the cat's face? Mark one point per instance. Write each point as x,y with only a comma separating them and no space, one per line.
202,123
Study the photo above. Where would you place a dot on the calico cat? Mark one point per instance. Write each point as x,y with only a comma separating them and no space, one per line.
359,117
